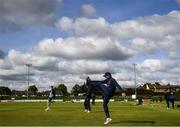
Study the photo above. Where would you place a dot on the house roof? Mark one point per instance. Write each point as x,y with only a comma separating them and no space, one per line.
154,86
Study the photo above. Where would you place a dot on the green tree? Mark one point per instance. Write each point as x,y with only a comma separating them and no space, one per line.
33,89
5,91
63,89
157,83
83,88
76,90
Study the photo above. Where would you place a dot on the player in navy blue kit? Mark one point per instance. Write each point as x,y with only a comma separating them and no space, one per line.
88,96
87,99
93,97
51,96
107,87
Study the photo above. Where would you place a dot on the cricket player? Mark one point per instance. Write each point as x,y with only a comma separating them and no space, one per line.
107,87
88,97
51,96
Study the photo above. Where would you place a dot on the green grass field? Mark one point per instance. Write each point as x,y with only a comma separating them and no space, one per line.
67,114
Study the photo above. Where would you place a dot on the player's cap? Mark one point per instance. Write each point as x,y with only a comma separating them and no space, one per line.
107,74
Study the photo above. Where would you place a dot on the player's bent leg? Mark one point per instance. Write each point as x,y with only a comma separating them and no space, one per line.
48,105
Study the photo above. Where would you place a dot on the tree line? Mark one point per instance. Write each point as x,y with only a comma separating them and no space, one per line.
60,89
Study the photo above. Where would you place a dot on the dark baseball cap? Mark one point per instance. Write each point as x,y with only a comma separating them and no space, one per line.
107,74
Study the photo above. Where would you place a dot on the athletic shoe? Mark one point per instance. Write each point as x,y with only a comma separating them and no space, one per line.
108,120
88,111
47,109
85,110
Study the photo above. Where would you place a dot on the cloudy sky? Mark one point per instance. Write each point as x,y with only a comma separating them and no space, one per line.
67,40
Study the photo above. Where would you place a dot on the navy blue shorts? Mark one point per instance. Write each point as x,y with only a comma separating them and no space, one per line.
50,99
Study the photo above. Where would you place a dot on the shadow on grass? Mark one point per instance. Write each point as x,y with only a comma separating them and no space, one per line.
134,121
65,110
97,111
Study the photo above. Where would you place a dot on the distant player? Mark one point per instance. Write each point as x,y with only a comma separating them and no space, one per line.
51,96
172,99
88,96
167,94
107,87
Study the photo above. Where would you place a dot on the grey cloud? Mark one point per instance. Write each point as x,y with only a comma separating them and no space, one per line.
49,66
5,65
15,14
110,54
14,77
88,48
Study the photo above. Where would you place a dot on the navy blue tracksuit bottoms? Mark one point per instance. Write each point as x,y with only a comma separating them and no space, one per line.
87,99
107,94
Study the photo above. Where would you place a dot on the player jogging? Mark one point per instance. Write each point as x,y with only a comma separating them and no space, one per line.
51,96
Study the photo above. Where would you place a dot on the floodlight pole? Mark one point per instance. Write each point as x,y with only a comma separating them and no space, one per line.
135,82
28,66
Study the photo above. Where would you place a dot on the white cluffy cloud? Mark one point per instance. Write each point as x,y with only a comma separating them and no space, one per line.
154,27
151,31
87,10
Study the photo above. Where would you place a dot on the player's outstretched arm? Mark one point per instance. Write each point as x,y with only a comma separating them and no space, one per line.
118,86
